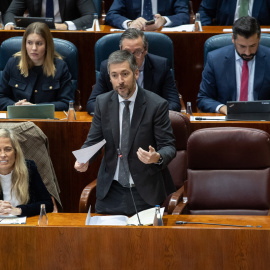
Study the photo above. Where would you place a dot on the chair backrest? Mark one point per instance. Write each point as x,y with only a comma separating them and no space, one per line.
228,171
65,48
158,44
218,41
181,130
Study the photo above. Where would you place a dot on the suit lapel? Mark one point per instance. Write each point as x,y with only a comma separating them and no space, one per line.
259,73
37,8
114,118
231,73
148,75
256,8
62,6
138,112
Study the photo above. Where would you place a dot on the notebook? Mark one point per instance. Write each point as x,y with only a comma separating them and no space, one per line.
258,110
39,111
23,22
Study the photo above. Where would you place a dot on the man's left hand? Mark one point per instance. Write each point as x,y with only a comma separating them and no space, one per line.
61,26
148,157
159,21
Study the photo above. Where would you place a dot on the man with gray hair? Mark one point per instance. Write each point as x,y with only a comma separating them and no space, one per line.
139,142
154,71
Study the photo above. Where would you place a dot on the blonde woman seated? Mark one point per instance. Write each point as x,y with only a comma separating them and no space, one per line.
37,74
21,187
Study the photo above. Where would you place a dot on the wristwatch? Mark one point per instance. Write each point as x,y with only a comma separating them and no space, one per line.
160,161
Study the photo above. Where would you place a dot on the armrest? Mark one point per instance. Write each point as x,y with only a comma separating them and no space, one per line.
174,200
88,196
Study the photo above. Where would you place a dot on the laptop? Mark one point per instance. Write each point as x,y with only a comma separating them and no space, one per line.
258,110
23,22
39,111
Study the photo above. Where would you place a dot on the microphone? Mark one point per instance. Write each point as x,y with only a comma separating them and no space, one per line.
205,223
119,153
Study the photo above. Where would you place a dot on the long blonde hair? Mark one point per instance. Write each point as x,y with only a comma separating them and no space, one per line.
20,176
25,62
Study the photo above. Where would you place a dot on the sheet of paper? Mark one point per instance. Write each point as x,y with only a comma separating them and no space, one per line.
88,218
83,155
3,115
207,118
181,28
262,30
117,220
12,220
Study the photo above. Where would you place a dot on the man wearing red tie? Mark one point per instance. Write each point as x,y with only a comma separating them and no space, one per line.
237,72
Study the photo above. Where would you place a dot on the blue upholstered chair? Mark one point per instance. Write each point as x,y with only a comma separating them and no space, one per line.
65,48
218,41
159,44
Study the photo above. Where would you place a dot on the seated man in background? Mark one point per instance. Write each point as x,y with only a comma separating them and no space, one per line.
125,14
139,142
154,72
223,12
238,72
67,14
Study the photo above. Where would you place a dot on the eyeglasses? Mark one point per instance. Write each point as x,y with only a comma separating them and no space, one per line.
138,53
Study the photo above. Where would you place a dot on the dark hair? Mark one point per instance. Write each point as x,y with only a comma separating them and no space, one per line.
246,27
121,56
133,33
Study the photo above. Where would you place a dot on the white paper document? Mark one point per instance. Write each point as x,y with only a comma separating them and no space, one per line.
3,115
146,218
262,30
181,28
207,118
83,155
12,220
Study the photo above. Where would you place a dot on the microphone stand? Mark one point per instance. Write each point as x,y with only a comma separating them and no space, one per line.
204,223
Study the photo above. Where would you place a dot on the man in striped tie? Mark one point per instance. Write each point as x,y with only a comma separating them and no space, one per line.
237,72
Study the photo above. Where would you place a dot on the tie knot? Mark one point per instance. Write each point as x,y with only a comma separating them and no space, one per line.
127,102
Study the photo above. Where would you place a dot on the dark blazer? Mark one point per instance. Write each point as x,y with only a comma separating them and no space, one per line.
150,125
80,12
219,78
37,192
4,4
55,90
122,10
223,11
157,78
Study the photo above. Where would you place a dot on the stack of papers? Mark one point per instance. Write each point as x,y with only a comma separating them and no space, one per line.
11,219
181,28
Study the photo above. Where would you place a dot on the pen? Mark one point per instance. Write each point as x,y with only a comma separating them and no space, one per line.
201,118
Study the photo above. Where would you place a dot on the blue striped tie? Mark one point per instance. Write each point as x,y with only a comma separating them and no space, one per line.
49,9
147,10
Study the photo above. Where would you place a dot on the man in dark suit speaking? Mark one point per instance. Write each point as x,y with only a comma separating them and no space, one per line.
67,14
139,142
237,72
154,71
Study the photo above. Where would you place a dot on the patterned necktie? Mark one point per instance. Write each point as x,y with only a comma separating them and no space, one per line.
147,10
243,9
49,9
244,82
123,176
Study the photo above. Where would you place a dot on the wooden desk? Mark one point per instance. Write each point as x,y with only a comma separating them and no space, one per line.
195,125
188,57
65,137
68,244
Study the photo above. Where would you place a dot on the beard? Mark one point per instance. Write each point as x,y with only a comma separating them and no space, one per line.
246,57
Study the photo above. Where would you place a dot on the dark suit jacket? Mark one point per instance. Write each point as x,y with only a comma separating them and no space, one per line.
122,10
4,4
157,79
219,78
56,90
80,12
223,11
150,125
37,192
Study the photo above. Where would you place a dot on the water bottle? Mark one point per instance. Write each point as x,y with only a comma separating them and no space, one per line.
43,219
71,112
158,218
96,26
198,24
189,110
